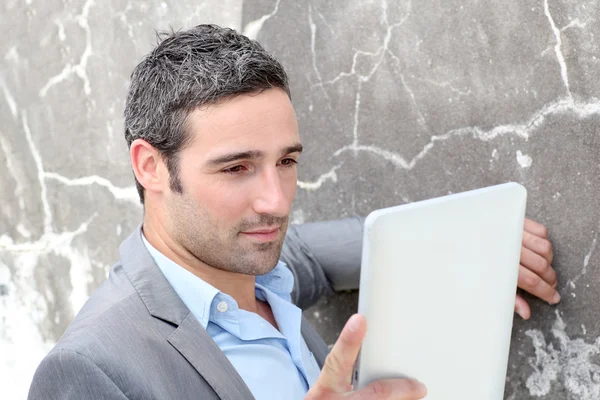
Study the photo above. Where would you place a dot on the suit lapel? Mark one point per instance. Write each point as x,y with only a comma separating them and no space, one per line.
314,342
190,338
194,343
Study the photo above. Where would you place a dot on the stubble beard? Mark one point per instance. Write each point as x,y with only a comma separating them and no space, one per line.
227,250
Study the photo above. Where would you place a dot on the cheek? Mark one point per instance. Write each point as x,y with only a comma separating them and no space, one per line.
223,200
289,184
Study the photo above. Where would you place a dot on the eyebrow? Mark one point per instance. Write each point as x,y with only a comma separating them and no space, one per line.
251,155
242,155
296,148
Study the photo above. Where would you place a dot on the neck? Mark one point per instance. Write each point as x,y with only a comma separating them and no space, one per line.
239,286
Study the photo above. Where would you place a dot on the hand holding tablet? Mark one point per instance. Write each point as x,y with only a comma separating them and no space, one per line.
334,380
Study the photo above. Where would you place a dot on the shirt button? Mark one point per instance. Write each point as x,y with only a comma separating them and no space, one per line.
222,306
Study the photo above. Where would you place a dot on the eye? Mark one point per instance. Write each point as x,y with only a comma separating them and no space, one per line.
288,162
234,170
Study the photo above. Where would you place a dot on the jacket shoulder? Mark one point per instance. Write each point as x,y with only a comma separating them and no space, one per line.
65,374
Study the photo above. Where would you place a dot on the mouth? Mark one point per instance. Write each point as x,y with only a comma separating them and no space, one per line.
263,234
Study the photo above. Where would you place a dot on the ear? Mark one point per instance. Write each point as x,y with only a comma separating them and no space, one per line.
148,166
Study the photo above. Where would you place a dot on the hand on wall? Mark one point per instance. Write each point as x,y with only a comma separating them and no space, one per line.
536,274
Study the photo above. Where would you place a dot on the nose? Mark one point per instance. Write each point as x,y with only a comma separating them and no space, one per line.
271,198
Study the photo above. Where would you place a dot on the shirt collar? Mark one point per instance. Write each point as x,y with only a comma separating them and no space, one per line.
279,280
198,294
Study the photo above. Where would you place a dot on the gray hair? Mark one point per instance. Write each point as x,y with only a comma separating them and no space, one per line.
199,67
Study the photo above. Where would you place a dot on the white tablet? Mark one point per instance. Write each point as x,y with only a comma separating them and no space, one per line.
437,288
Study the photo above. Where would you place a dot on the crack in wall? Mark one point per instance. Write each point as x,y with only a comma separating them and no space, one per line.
420,117
327,176
12,104
522,131
13,171
253,28
558,49
40,174
80,69
586,260
128,194
313,35
379,53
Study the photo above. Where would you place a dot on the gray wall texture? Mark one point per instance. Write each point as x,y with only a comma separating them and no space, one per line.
398,101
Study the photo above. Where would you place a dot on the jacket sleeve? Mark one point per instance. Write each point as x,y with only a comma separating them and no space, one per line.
65,374
324,257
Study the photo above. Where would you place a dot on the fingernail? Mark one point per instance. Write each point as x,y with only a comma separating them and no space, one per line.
421,387
556,298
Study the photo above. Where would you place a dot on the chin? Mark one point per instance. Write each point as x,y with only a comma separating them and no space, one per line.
258,259
260,266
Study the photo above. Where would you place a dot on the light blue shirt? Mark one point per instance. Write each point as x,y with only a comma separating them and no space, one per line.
274,364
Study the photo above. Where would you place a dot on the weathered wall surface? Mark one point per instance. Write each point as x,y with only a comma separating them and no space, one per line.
398,101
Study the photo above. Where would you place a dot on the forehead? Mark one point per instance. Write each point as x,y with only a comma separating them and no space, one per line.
255,121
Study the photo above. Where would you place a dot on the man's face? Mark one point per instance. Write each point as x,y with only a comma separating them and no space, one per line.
239,181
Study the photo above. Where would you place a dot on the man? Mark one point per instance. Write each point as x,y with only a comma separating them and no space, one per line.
199,304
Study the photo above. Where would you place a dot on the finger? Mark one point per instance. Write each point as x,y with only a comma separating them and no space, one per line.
539,245
538,264
337,370
532,283
397,389
536,228
522,308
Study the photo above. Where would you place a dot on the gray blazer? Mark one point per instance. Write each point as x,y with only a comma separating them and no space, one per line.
135,338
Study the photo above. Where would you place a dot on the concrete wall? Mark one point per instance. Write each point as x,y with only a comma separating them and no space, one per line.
398,101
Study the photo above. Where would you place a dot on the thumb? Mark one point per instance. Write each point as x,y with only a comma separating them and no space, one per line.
337,372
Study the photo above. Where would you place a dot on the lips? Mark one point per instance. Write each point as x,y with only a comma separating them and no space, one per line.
263,235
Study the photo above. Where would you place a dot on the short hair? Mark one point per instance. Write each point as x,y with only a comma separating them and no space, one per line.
198,67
